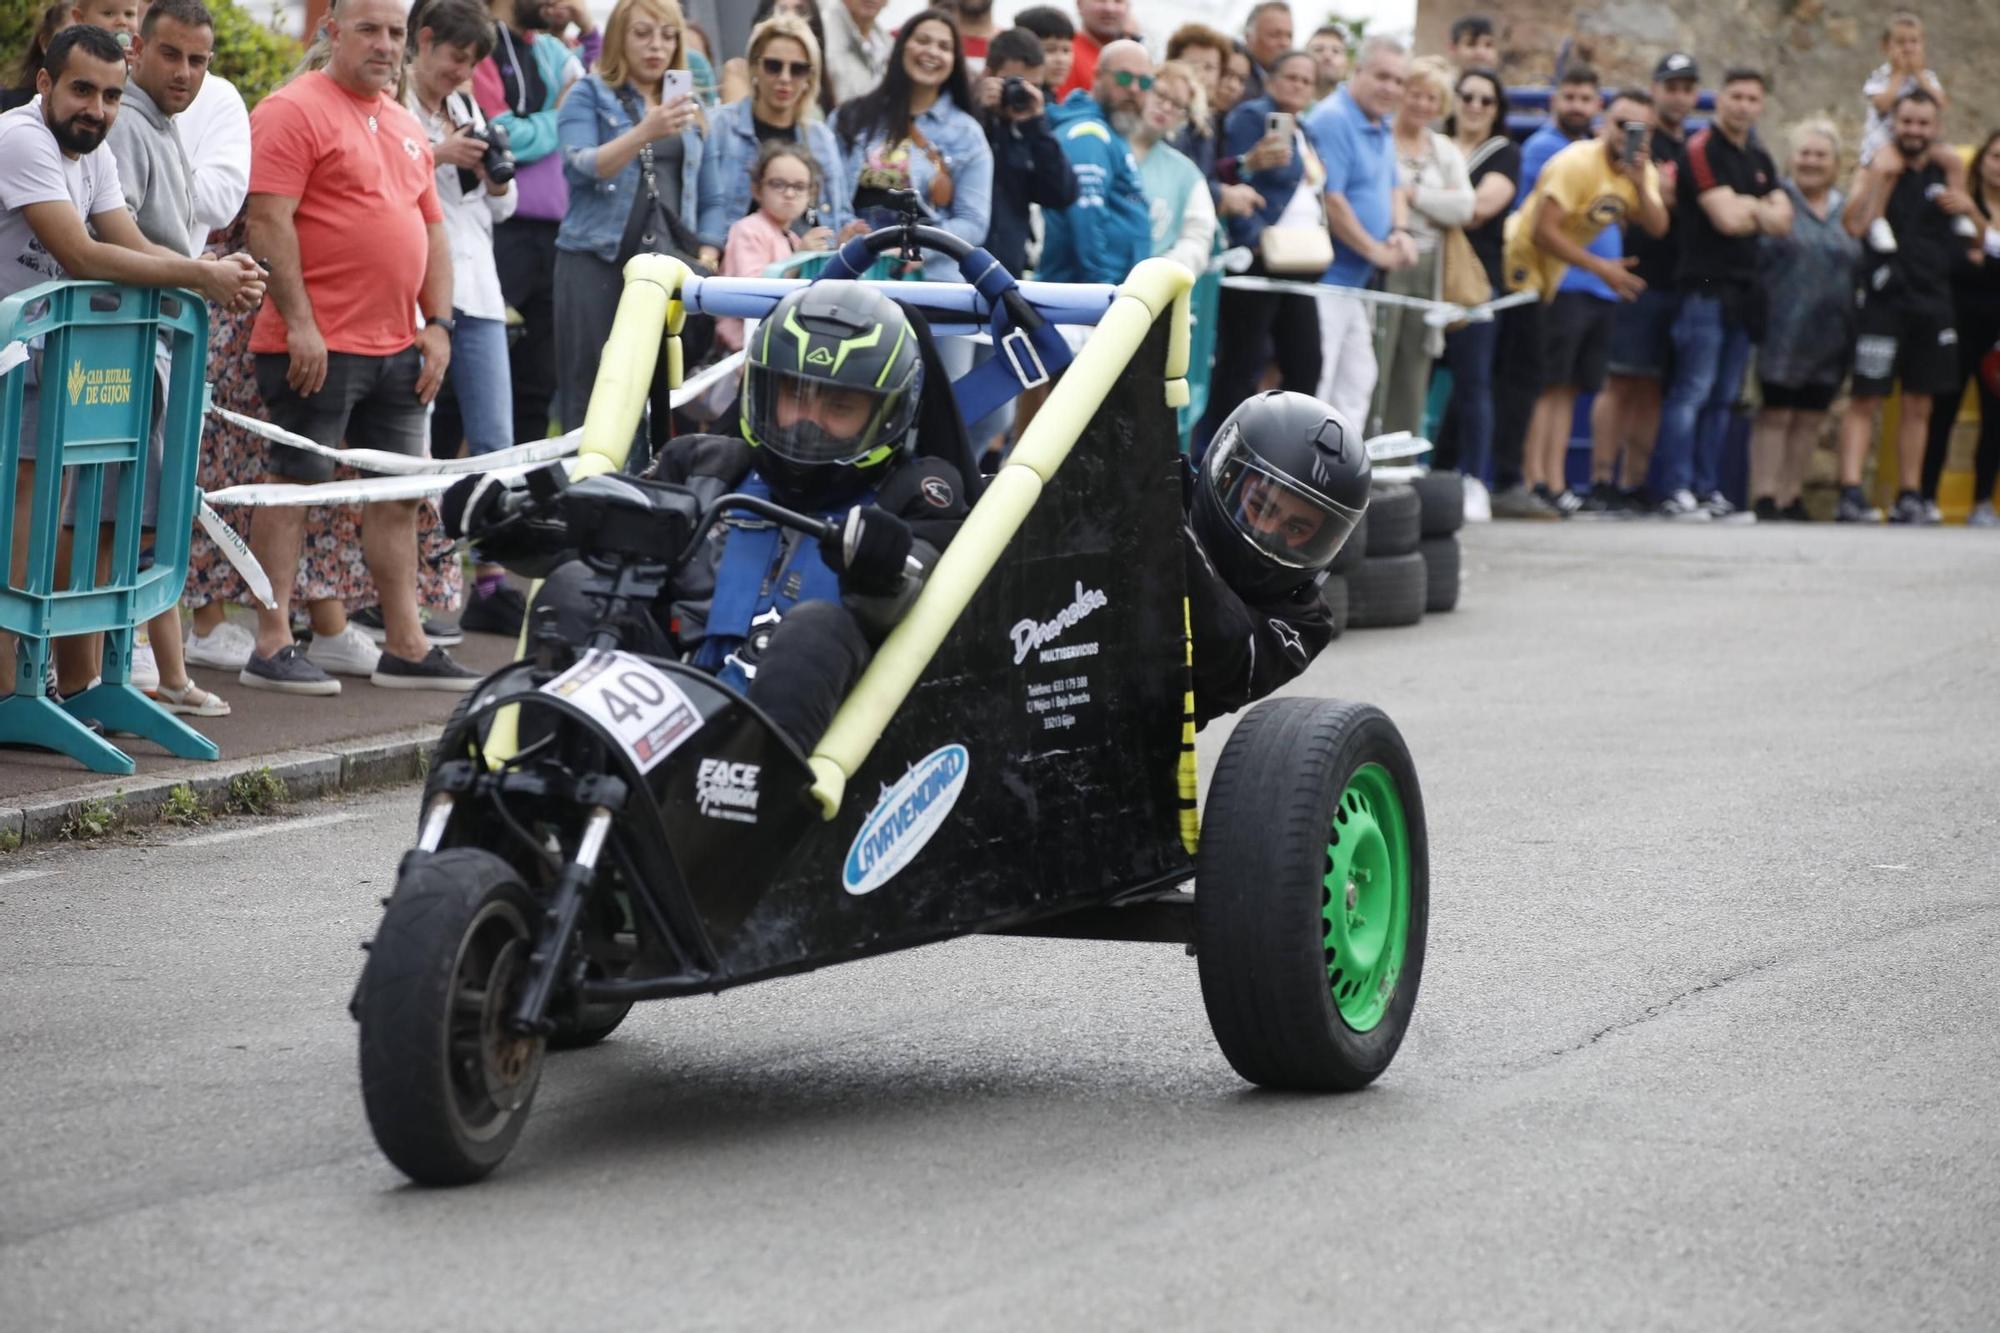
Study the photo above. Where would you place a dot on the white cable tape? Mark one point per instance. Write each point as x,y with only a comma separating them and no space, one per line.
13,354
1437,312
362,490
403,465
235,550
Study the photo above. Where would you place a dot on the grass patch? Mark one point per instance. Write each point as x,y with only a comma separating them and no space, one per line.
91,818
183,807
10,840
257,792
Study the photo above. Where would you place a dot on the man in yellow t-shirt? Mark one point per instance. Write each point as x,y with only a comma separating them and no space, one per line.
1588,186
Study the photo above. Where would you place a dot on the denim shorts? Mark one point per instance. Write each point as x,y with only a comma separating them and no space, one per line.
1642,340
367,402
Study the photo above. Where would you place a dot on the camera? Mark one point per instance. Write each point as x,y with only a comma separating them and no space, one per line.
498,158
1015,95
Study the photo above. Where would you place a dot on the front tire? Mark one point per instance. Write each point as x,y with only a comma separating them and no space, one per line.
446,1085
1312,895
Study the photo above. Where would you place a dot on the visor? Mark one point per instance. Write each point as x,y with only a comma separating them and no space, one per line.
1284,519
815,421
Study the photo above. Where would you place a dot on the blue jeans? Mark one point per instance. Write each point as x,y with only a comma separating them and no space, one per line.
1469,354
1709,357
482,383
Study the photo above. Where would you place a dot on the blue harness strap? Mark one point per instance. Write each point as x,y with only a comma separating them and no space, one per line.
750,583
1021,358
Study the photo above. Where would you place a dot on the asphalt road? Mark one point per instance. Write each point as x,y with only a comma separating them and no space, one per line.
1706,1040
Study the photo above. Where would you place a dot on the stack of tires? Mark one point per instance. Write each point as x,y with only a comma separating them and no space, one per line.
1403,558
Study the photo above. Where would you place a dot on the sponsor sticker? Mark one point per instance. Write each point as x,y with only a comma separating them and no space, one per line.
908,814
1030,635
635,702
725,789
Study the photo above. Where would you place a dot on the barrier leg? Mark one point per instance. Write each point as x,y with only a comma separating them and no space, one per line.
29,717
122,708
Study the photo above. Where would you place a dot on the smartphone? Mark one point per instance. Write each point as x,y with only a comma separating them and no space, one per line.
1637,135
680,83
1280,124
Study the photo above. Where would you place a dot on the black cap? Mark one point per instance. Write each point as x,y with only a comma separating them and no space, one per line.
1676,65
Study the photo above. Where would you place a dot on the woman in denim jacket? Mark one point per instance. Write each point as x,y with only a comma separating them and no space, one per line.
913,132
601,147
785,72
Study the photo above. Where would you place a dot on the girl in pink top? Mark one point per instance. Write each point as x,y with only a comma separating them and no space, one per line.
784,181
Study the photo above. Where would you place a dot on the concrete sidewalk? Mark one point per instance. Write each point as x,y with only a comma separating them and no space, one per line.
363,736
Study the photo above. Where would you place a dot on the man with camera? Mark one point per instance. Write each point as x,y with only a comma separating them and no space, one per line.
1029,166
475,185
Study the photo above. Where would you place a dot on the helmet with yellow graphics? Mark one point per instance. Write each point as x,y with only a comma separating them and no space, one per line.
831,380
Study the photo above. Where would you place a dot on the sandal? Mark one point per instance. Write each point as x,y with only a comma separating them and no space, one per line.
193,701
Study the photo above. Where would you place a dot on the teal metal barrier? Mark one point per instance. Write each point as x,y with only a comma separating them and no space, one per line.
1204,308
96,408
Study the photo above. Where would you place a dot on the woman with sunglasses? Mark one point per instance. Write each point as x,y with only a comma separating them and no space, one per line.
735,84
784,60
1478,127
914,132
1182,213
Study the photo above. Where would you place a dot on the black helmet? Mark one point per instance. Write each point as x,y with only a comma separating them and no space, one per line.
830,385
1283,483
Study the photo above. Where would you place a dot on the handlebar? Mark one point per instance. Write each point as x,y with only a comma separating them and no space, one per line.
806,524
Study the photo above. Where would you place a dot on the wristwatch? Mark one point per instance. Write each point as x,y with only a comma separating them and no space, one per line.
445,322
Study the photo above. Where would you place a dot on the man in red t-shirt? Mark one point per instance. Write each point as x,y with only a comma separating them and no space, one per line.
1101,23
344,210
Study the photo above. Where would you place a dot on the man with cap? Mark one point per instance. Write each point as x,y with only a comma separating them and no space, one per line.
1625,418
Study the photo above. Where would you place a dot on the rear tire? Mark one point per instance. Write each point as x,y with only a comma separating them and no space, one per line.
1312,895
1441,568
1387,591
446,1086
1442,497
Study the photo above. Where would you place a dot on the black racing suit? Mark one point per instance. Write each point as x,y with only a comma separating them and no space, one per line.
799,671
1247,644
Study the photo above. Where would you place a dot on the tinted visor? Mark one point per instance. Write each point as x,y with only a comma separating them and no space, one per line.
810,420
1284,519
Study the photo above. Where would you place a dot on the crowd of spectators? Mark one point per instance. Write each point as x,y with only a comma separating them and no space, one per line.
441,199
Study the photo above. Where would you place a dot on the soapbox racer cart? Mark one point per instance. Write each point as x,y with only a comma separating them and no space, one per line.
600,827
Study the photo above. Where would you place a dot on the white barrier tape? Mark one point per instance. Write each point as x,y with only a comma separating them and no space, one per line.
237,552
13,354
361,490
1440,313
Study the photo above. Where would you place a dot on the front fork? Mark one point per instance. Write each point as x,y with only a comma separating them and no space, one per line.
549,961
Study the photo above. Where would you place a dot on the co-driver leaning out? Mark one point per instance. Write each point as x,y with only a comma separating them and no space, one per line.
832,380
1279,490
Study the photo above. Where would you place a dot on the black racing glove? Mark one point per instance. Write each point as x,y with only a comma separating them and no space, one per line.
471,502
868,551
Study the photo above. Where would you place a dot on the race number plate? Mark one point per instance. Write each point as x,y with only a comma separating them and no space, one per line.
634,701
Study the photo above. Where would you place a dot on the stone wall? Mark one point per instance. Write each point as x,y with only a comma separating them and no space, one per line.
1816,52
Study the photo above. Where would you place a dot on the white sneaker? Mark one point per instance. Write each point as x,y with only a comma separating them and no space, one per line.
145,673
1983,516
348,653
227,648
1932,514
1478,503
1682,505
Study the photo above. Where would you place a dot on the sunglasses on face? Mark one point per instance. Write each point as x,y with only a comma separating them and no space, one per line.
776,68
1125,78
1478,99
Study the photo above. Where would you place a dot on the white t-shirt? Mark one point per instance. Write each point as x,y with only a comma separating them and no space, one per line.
468,222
34,170
215,130
1877,130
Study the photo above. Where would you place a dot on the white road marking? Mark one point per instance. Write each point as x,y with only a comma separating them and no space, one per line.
264,830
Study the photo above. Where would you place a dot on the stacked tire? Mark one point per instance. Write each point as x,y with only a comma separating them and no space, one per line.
1403,557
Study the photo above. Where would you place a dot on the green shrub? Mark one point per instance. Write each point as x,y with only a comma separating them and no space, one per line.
183,806
247,51
257,792
91,818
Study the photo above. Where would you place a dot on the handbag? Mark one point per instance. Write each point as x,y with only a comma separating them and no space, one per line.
1464,280
654,228
1292,249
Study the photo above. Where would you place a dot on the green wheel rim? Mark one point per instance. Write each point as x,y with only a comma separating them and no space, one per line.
1365,897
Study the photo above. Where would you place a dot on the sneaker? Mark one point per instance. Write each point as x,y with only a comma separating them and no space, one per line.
1565,502
1478,502
1795,512
1520,502
1932,514
1908,509
1983,516
348,653
442,631
1717,504
1683,507
1764,510
145,673
501,612
228,647
1854,509
1602,502
436,672
286,671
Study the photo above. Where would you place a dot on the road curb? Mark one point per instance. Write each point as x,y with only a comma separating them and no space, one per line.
369,761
